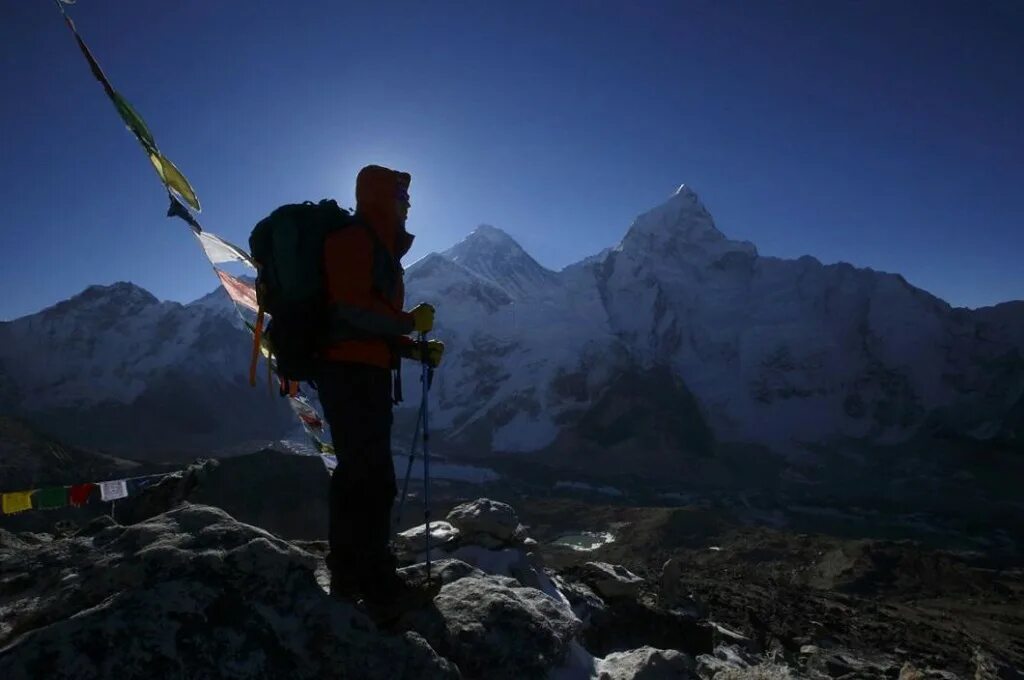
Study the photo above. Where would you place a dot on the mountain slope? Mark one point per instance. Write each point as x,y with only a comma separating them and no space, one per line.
114,368
789,353
792,351
32,460
652,352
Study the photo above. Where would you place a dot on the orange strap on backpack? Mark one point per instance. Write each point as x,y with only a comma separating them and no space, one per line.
257,338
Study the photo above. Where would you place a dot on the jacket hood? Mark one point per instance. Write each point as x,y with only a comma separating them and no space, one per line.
377,195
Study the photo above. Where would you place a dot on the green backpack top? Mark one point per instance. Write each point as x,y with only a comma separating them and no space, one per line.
288,248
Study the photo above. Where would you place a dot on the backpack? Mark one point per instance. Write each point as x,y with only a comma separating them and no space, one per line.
288,248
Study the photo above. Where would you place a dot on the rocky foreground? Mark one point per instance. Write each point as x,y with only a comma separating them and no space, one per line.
192,592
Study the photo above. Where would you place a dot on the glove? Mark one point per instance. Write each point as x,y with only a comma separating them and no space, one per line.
422,318
435,350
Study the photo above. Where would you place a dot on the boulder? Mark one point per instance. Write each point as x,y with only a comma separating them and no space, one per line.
493,627
187,593
489,518
724,659
629,624
670,582
988,664
560,556
836,662
611,580
443,570
730,638
411,544
584,602
910,672
646,663
672,594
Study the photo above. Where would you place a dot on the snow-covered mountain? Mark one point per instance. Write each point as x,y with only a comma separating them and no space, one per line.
637,358
115,368
679,326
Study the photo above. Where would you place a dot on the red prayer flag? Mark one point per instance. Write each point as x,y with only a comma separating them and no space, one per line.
239,291
79,494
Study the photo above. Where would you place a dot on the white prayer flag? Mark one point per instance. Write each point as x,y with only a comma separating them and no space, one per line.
330,462
218,250
113,490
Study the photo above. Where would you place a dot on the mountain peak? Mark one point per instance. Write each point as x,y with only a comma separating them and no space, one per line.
122,293
492,254
686,192
682,221
684,210
484,243
100,301
490,235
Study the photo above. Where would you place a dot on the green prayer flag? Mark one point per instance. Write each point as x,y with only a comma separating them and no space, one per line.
51,497
173,179
134,122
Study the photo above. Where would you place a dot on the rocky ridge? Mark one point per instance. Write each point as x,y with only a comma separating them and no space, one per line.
190,590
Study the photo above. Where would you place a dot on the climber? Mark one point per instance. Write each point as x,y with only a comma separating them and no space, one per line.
359,381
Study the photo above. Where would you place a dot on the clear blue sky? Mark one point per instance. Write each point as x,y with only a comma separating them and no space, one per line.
886,134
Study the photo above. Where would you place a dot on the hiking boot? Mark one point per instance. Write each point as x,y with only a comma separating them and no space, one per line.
394,598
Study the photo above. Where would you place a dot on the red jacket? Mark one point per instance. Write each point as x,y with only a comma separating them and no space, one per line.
365,291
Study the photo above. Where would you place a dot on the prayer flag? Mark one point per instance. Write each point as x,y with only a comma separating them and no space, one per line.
134,122
113,490
307,414
173,179
51,497
176,209
94,66
218,250
79,494
17,501
239,291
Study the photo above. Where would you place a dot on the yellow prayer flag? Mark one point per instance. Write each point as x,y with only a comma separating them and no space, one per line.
173,179
17,501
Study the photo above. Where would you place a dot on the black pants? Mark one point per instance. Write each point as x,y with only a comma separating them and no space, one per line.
357,404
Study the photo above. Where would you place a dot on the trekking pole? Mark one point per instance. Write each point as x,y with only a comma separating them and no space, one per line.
408,469
426,378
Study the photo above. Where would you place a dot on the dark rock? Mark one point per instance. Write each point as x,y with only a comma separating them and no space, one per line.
484,516
492,627
610,580
626,625
188,593
991,666
443,571
584,602
410,544
647,663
